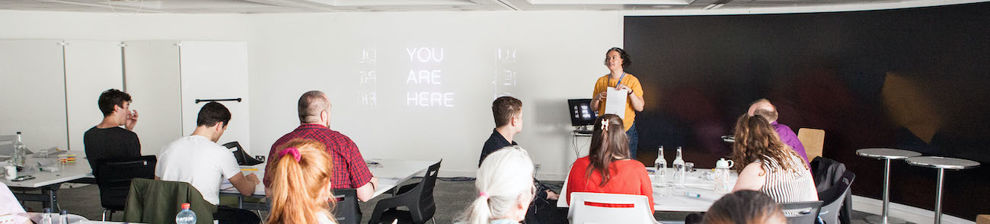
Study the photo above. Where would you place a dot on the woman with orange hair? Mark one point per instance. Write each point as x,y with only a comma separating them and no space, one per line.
301,191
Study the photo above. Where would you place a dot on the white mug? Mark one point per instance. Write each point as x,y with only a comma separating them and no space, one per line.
11,172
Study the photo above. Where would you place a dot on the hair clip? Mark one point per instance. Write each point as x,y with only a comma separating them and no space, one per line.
293,150
604,125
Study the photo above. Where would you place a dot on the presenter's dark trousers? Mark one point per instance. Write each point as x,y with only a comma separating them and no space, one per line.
633,136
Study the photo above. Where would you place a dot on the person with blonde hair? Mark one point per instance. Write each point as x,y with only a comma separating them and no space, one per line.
301,191
745,207
505,188
771,166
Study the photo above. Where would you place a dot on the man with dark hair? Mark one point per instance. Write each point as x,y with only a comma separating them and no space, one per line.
763,108
349,169
198,160
507,112
107,140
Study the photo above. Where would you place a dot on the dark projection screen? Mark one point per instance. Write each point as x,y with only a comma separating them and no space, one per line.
914,79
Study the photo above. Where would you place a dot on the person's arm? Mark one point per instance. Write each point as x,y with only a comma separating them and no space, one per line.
752,177
646,186
245,184
635,96
366,192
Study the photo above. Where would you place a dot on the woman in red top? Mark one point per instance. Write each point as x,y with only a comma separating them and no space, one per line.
607,168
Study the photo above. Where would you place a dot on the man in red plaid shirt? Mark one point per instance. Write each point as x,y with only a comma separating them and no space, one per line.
349,169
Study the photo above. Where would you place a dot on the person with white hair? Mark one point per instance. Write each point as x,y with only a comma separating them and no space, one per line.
505,188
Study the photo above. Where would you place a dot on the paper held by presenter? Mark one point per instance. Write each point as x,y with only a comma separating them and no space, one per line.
615,102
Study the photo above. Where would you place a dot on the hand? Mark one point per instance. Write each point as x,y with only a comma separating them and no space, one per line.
623,87
552,196
253,178
601,96
131,120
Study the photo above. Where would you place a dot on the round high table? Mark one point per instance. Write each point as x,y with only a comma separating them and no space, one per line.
941,163
886,155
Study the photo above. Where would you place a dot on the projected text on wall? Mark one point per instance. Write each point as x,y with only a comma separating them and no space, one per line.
425,78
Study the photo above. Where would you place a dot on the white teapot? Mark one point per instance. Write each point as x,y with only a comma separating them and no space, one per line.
723,163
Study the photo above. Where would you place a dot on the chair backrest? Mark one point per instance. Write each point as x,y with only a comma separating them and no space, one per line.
427,206
813,141
113,177
158,201
609,208
805,212
835,197
347,210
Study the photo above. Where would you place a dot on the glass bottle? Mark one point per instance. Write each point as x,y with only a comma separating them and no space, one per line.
660,165
679,169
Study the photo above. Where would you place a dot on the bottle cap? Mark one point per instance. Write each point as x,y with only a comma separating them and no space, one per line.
185,205
64,212
48,210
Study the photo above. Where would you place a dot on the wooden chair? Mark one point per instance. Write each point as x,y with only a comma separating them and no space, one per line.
813,141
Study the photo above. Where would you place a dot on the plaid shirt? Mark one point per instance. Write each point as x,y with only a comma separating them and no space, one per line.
349,169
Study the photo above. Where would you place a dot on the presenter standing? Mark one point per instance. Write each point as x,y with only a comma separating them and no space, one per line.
616,60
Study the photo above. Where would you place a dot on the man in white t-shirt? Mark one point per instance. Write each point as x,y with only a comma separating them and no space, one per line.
198,160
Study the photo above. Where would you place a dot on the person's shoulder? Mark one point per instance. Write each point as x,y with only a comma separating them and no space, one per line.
630,163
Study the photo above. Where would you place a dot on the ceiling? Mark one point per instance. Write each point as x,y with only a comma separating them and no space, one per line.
286,6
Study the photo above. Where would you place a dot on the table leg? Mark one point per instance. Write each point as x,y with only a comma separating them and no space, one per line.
240,201
886,193
51,194
938,197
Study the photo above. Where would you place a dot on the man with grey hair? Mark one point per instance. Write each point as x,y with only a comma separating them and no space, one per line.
763,108
349,169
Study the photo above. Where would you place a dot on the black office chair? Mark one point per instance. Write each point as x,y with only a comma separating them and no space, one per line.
113,177
805,212
242,157
835,198
347,210
418,198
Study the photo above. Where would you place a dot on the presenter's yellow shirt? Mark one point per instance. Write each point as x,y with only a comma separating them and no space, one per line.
628,80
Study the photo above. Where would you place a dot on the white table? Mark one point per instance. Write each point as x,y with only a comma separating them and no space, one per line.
677,199
48,182
390,173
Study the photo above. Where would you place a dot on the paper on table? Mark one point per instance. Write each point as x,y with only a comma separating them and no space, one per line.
615,102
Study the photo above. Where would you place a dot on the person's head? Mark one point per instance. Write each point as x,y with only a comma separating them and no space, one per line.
507,111
616,59
745,207
314,108
608,143
756,140
505,187
764,108
115,104
301,185
213,119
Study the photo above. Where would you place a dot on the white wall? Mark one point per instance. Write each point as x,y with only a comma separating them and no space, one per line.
557,56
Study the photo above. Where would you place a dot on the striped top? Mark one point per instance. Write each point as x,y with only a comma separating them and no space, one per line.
789,186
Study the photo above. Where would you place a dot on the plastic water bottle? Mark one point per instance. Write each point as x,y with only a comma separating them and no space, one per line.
680,171
661,168
46,218
20,152
63,217
185,216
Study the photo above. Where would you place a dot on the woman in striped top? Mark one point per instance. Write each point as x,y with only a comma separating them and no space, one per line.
771,166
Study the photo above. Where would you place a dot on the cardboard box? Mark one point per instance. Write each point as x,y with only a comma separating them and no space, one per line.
983,219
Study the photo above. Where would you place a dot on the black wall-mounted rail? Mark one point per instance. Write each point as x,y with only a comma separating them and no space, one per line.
217,100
